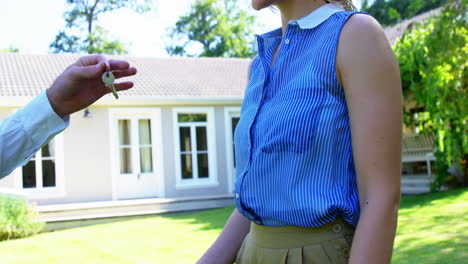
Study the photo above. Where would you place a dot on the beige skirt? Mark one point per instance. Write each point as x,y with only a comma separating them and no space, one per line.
328,244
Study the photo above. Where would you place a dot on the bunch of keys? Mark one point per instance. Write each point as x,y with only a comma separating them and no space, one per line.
108,79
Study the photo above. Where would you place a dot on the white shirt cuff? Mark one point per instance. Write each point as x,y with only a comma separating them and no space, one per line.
40,121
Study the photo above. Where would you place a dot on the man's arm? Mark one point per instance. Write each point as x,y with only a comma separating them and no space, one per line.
23,133
31,127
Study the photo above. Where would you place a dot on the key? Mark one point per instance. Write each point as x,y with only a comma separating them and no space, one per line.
107,65
108,78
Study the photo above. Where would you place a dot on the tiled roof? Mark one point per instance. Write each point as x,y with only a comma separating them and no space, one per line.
397,31
417,144
26,75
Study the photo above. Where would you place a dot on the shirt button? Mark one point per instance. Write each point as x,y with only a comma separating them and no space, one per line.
286,41
237,196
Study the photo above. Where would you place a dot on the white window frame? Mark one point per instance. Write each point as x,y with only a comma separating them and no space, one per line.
154,114
230,112
40,192
212,180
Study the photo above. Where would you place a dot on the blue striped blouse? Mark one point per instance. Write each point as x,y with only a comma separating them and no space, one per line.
293,141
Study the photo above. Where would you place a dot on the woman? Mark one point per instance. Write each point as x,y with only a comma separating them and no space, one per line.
318,145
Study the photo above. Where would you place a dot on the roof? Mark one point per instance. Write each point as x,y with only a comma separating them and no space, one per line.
394,33
24,75
418,144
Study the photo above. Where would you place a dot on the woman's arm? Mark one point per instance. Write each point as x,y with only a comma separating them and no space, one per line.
370,77
224,249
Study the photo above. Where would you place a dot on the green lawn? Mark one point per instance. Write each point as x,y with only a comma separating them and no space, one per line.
432,229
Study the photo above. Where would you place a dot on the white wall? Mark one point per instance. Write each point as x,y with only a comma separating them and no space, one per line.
87,163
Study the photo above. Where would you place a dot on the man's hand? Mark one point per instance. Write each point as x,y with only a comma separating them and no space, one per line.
80,85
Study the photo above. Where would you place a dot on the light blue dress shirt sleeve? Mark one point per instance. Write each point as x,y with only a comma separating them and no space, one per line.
23,133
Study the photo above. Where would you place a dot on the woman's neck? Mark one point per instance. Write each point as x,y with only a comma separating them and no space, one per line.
295,9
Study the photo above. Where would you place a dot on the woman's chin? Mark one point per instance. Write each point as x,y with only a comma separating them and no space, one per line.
260,4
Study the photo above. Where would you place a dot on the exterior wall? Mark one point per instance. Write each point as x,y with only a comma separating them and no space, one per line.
87,162
86,159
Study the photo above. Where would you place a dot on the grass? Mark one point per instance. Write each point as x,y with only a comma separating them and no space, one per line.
432,229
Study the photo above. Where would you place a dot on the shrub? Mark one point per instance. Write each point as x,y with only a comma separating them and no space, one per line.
17,219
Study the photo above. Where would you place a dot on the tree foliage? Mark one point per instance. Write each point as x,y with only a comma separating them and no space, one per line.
11,49
81,34
389,12
433,60
220,28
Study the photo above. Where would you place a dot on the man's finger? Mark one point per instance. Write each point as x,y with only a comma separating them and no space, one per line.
123,86
119,65
91,60
125,73
88,72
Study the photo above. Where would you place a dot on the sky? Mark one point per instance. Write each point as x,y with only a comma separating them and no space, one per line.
31,25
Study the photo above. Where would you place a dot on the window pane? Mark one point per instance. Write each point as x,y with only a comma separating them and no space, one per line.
185,142
234,122
144,126
124,132
201,138
48,173
29,175
203,166
191,117
48,150
146,161
125,160
186,160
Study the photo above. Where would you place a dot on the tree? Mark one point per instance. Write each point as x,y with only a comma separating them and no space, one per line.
433,59
219,28
81,33
11,49
389,12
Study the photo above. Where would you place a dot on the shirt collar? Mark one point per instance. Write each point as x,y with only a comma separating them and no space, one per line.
312,20
317,16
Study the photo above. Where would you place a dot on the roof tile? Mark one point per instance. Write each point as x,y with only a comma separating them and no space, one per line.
27,75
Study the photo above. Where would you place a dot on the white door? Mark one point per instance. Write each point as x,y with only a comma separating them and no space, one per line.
232,118
136,170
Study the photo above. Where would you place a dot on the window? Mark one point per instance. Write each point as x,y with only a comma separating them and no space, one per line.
138,147
145,145
42,175
231,119
195,147
39,172
234,122
125,146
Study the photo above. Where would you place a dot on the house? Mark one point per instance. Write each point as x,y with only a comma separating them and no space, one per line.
171,136
396,32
